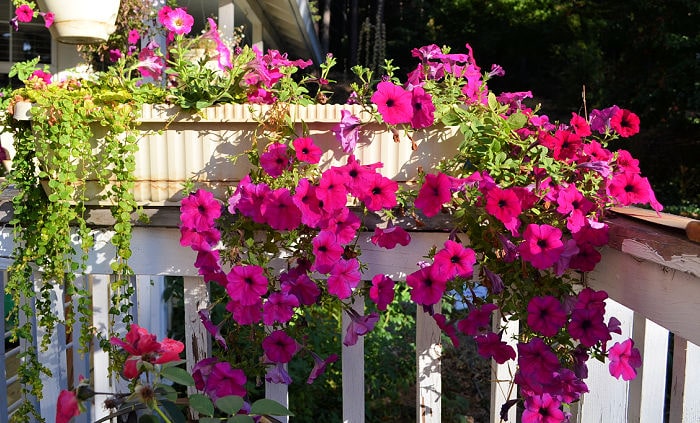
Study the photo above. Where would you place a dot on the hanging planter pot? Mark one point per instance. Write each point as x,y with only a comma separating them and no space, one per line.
81,21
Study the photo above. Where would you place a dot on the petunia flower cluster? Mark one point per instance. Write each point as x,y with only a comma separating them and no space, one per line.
527,199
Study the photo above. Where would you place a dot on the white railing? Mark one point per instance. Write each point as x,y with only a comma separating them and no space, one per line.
663,290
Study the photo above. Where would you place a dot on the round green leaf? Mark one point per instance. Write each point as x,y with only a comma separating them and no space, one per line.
269,407
202,404
240,418
230,404
178,375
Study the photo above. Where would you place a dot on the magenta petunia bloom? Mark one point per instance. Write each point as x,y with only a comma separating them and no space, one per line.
344,277
382,291
537,364
200,210
279,307
311,208
630,188
347,131
150,64
279,347
580,125
133,36
565,145
24,13
49,17
224,380
427,285
477,320
447,328
455,260
66,406
298,283
177,20
214,330
542,409
359,326
546,315
276,373
279,211
252,197
306,150
423,108
600,119
434,192
504,205
624,360
490,345
246,284
626,163
588,326
207,261
275,160
327,251
380,193
391,236
393,103
586,258
344,225
542,245
245,314
199,240
320,366
625,123
223,53
331,190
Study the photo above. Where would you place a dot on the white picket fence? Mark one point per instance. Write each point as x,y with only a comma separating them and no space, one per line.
656,289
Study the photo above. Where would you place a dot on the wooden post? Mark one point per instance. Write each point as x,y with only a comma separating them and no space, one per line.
353,368
428,364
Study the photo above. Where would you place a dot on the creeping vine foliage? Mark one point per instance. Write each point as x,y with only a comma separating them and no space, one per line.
79,141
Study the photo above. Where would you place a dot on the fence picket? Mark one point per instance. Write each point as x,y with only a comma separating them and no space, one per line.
685,396
353,370
428,368
648,390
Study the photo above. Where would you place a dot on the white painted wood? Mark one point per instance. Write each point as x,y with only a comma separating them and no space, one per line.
197,340
278,392
689,263
54,356
353,368
4,384
502,388
648,389
102,380
669,297
80,360
608,397
428,368
685,395
151,312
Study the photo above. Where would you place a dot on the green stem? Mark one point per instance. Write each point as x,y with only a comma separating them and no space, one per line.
161,414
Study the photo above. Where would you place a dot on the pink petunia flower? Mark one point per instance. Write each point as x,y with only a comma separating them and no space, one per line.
546,315
588,326
133,36
624,360
48,18
246,284
477,320
245,314
200,210
625,123
214,330
580,125
344,224
66,406
434,192
504,205
542,409
423,108
177,20
359,326
447,328
347,131
390,236
275,160
327,251
320,366
455,260
279,347
542,245
279,307
344,277
357,175
150,65
224,380
537,364
490,345
393,103
297,282
279,211
310,206
382,291
276,373
630,188
331,190
427,285
223,53
380,193
306,150
24,13
600,119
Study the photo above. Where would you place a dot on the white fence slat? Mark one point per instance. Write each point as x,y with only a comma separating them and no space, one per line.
353,370
648,389
80,361
428,367
4,385
101,378
502,390
151,313
278,392
608,397
685,395
197,340
54,356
